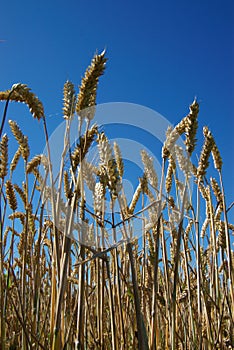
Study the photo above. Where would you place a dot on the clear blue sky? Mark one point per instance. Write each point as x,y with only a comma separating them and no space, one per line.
161,54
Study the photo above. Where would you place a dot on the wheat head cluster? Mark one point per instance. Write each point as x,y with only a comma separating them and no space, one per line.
67,281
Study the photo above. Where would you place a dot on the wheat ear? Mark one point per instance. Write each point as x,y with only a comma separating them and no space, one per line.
21,139
119,159
191,127
10,194
15,159
21,93
88,88
3,156
69,100
205,153
83,146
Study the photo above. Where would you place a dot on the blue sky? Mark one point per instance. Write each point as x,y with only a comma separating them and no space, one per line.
161,54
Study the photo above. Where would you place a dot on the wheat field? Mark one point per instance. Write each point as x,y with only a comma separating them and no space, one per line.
68,282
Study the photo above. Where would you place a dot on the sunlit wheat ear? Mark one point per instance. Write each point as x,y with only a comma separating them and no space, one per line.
191,127
123,205
135,198
216,157
18,215
21,193
83,146
149,170
183,161
218,194
88,88
187,125
170,170
69,100
99,196
188,229
222,235
21,139
10,194
204,227
15,159
153,217
140,189
3,156
39,178
172,135
181,187
205,192
5,237
119,159
21,93
31,223
33,163
105,150
114,183
108,172
88,175
205,153
215,151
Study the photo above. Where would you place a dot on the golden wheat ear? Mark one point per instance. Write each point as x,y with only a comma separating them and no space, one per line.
3,156
191,127
21,93
88,88
69,100
205,153
10,195
21,139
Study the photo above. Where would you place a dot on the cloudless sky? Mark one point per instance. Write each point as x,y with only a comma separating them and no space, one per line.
161,55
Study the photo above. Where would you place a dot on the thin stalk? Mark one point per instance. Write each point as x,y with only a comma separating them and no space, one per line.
5,112
142,335
165,264
71,208
116,263
37,273
80,311
228,244
54,216
214,265
189,291
25,250
112,314
153,339
154,327
198,266
176,267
